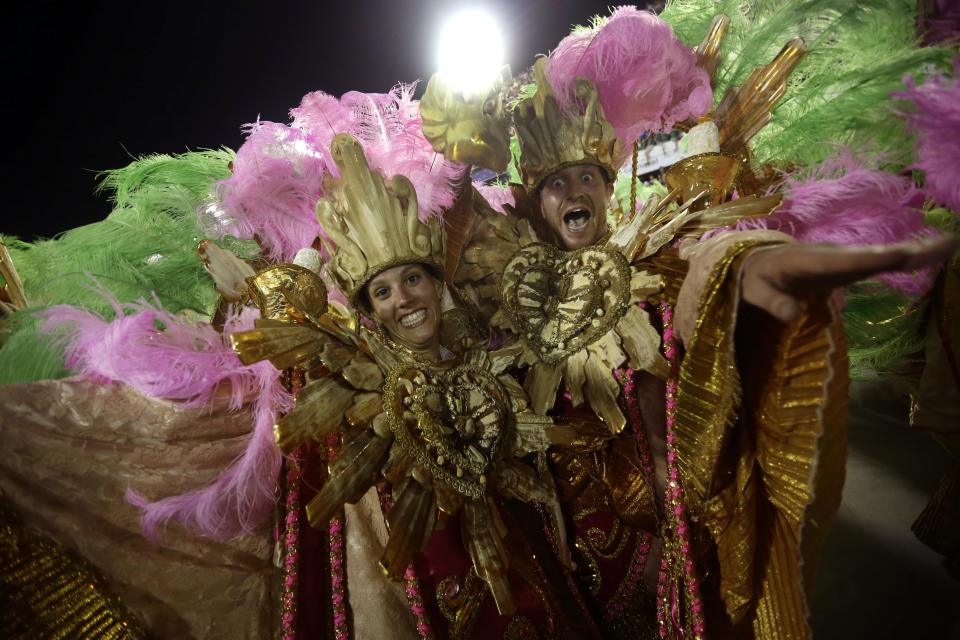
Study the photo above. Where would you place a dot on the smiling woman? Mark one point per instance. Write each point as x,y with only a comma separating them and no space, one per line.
405,302
428,499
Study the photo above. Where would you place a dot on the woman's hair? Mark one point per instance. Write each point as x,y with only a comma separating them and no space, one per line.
363,296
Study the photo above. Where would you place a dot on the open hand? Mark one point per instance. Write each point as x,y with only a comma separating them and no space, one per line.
773,277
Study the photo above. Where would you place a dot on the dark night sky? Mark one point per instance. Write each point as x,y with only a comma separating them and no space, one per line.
89,86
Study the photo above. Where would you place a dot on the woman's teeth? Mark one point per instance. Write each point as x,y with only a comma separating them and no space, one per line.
413,319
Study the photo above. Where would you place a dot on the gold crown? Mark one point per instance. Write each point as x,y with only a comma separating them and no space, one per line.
374,225
551,139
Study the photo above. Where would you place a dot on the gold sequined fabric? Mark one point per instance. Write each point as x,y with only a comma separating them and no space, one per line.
761,458
72,448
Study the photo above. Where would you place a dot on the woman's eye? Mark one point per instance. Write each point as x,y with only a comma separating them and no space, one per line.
413,278
380,292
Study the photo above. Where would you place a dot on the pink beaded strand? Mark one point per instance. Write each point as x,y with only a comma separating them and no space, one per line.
636,573
337,582
677,556
291,530
635,419
291,548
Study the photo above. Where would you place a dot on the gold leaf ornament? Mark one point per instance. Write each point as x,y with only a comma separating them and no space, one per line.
289,292
469,128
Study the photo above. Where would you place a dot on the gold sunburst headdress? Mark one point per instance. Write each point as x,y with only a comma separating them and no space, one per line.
552,138
373,224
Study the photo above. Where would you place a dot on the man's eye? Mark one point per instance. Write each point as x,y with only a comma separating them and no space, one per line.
557,184
587,177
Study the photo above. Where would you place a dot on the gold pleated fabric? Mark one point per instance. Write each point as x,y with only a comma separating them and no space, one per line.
45,592
761,458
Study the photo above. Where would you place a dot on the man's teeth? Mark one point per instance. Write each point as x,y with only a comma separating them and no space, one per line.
576,219
413,319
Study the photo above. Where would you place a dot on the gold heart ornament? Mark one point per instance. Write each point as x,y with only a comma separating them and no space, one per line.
560,302
576,313
456,423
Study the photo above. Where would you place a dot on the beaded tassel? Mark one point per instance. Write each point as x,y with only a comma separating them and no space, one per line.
337,581
291,529
679,604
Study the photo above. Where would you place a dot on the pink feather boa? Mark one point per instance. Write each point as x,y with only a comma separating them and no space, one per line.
188,363
647,79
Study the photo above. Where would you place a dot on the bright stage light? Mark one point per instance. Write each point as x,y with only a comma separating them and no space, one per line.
471,51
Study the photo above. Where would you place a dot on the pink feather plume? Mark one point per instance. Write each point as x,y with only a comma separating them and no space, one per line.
278,172
936,123
276,182
647,79
843,201
389,127
186,362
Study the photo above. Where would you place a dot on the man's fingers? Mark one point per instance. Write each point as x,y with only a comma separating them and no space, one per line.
773,276
922,253
760,293
811,267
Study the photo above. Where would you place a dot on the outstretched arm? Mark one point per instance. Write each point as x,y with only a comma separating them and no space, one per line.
773,277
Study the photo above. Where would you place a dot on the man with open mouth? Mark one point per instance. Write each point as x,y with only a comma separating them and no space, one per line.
573,202
755,345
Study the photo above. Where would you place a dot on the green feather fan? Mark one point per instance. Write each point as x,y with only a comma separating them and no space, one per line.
858,53
146,246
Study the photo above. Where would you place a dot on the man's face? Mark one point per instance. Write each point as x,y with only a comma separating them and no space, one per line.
574,202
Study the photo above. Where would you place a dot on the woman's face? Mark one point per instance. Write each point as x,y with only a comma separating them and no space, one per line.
405,300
